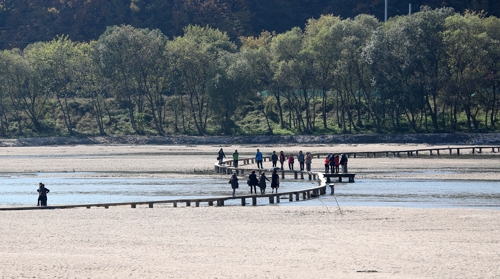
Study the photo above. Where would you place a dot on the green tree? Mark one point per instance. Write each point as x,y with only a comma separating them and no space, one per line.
194,60
135,62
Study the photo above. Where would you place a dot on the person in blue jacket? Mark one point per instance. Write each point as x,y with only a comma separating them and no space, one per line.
258,159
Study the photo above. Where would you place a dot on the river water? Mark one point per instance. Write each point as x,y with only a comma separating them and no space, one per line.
79,188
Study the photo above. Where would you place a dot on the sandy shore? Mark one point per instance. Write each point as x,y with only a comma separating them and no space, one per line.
263,242
246,242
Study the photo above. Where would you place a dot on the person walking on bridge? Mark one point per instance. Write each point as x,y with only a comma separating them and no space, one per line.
221,156
258,159
301,158
235,158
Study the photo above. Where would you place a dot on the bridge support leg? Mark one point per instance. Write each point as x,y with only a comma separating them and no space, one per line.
243,202
188,203
133,205
150,205
271,199
297,195
254,200
304,195
175,204
290,197
210,203
197,203
220,202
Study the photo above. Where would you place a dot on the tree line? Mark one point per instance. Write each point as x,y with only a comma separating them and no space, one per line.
433,71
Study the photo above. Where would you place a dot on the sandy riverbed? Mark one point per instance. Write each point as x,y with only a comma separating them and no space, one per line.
246,242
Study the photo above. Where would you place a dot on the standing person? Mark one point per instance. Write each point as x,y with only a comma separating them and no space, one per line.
290,161
38,190
221,156
274,158
42,194
336,163
262,183
327,163
235,158
332,163
258,159
343,162
309,159
282,159
300,158
275,181
253,182
234,183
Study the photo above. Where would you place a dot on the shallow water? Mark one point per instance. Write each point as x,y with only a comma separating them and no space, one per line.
72,188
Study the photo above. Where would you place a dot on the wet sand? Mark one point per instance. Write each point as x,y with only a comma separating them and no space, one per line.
246,242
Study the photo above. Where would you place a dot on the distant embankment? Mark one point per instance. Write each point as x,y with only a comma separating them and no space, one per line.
438,139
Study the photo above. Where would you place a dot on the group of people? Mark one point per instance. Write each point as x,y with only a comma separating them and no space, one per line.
303,159
333,162
254,182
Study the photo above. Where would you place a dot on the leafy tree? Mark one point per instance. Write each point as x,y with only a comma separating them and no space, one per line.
134,61
194,60
466,40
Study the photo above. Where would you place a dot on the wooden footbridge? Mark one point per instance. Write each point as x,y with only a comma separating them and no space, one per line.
297,195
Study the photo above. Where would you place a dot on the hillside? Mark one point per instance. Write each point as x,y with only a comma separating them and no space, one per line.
27,21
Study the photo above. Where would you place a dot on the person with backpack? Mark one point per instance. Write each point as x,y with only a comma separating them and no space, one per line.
234,183
42,194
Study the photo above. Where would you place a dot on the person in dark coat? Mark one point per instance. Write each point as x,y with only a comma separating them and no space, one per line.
42,194
343,163
253,182
221,156
262,183
274,158
275,181
234,183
